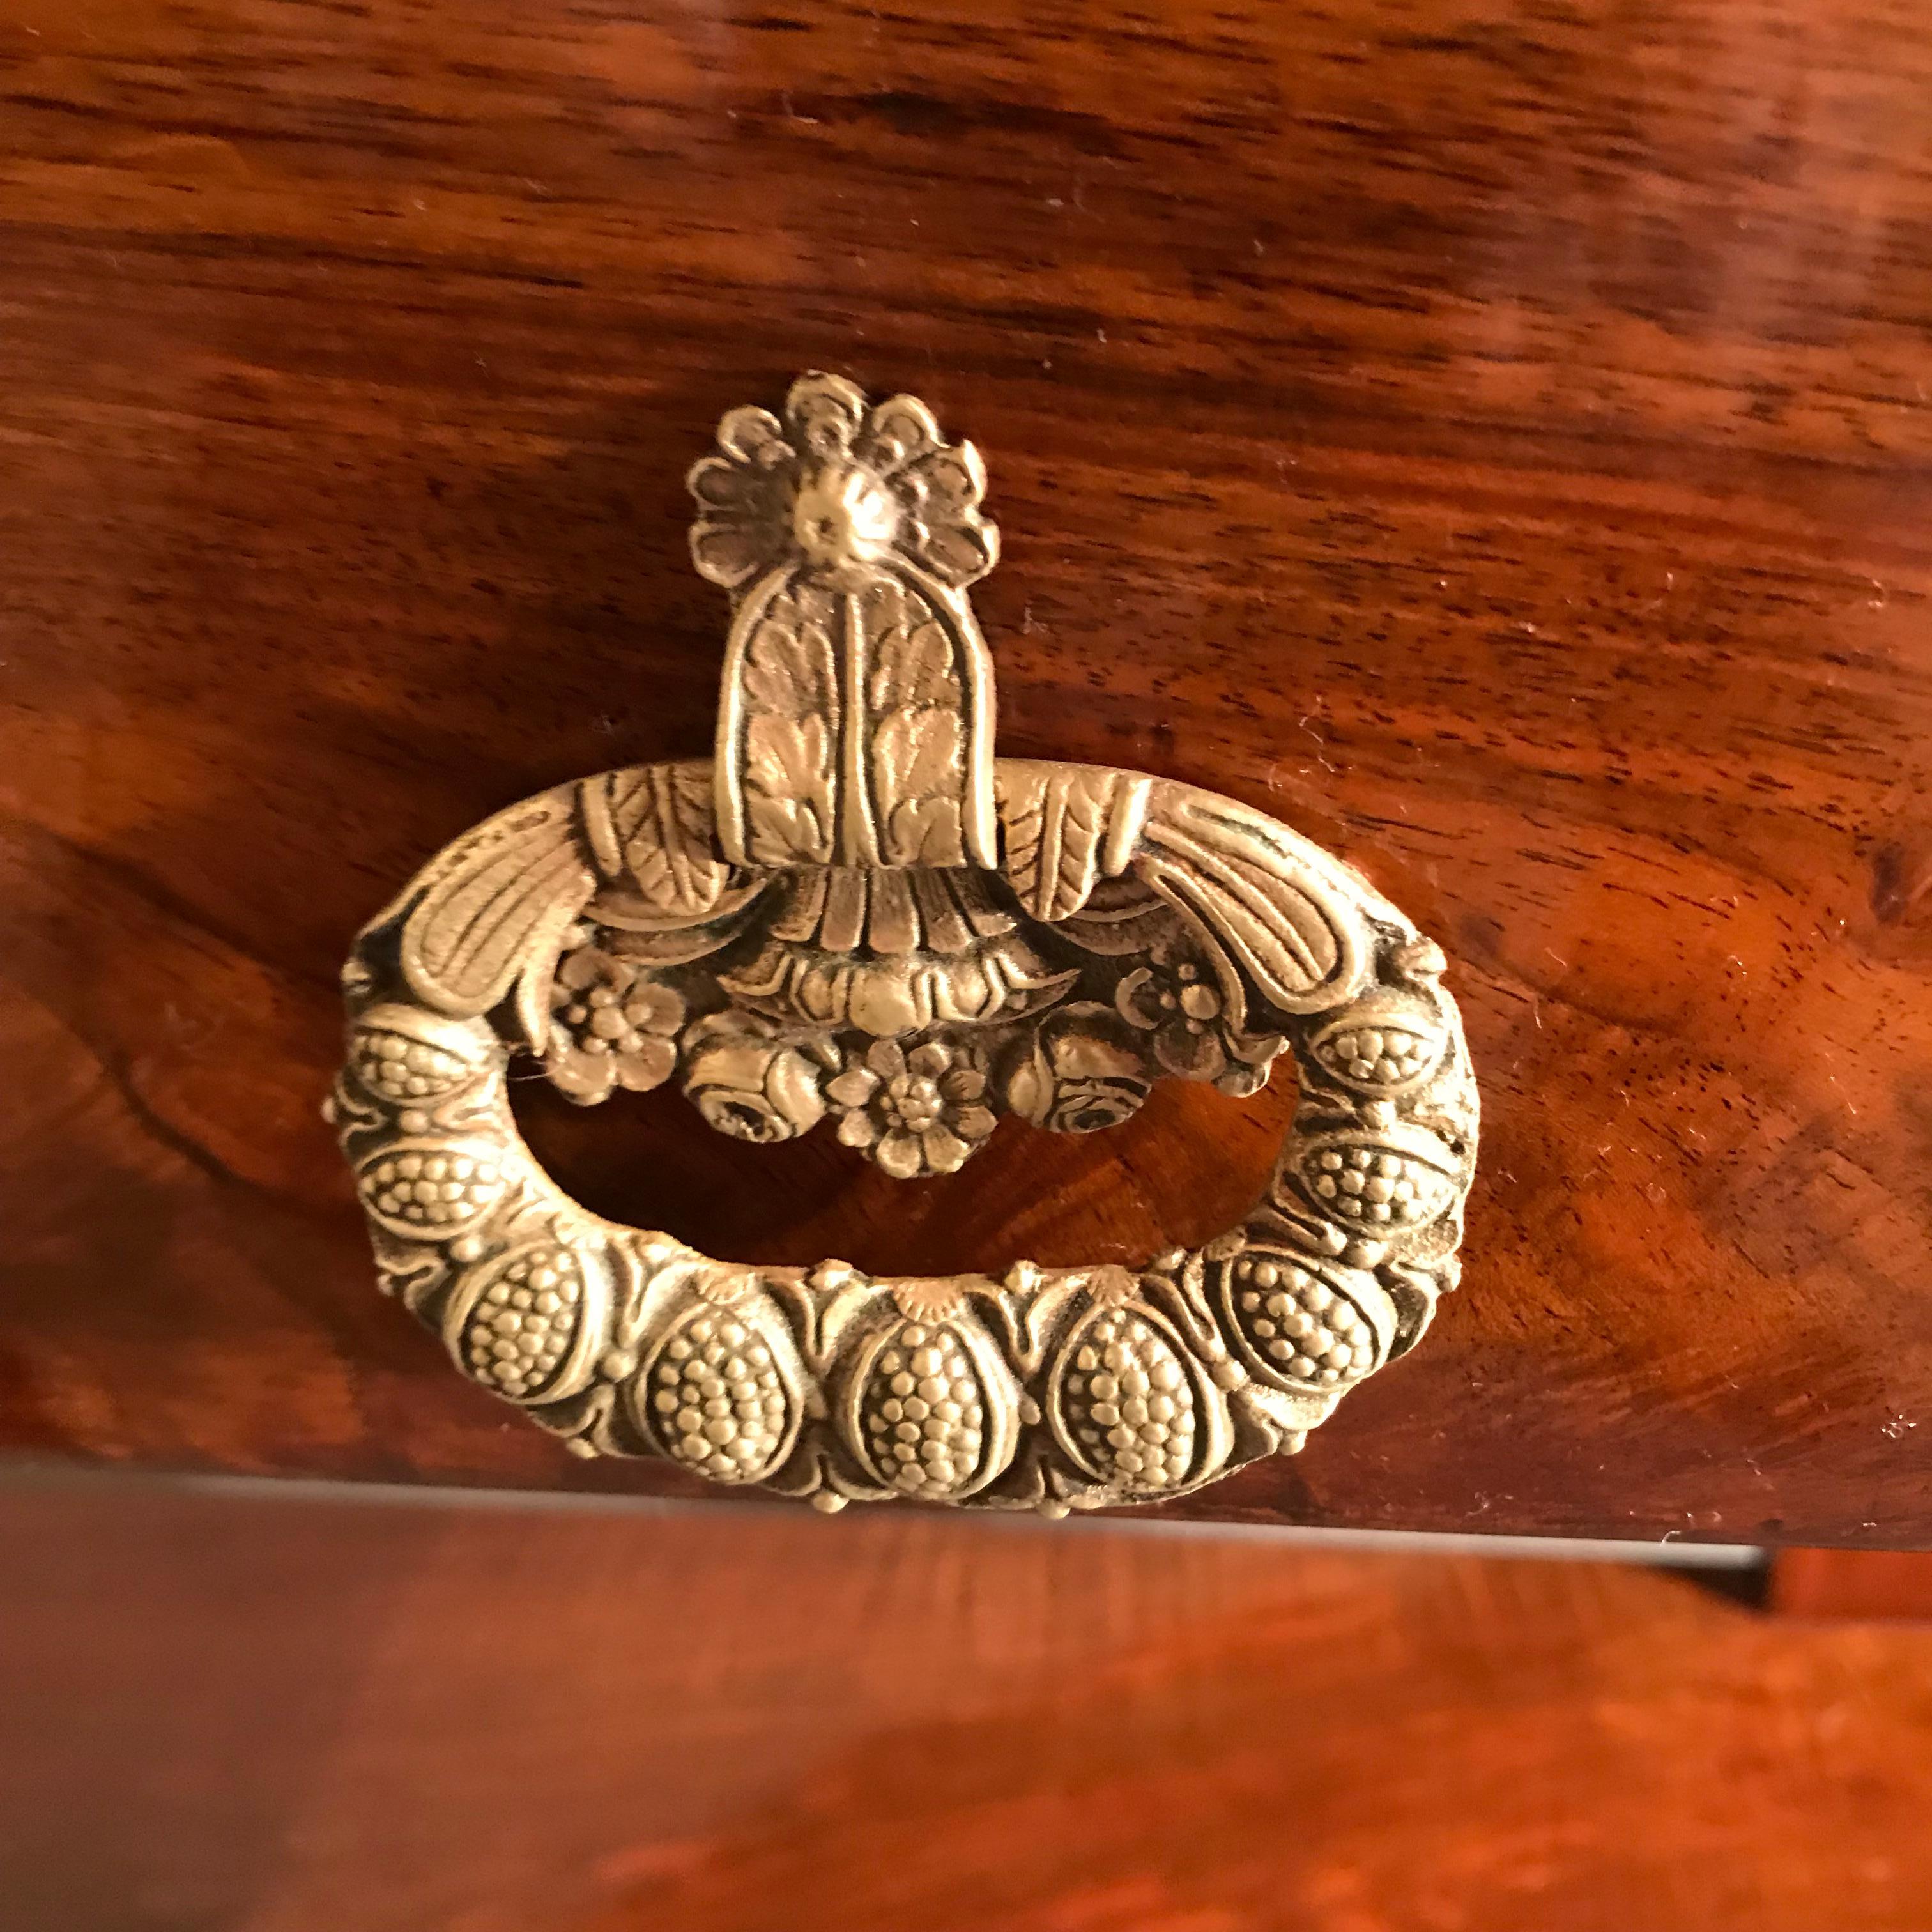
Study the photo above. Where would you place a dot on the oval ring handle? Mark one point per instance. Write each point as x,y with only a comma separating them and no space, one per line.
856,916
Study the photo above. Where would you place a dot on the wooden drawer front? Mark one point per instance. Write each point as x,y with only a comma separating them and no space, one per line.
1499,451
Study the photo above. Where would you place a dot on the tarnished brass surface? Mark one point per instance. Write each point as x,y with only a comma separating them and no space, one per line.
857,916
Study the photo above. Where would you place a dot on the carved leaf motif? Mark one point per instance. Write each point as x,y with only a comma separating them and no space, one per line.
916,754
922,831
789,693
780,828
911,655
916,759
496,899
1124,917
1298,938
1066,827
788,660
663,815
789,781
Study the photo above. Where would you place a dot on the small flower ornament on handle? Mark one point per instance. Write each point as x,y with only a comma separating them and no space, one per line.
855,916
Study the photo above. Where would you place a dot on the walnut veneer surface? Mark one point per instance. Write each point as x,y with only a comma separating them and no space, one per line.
1498,448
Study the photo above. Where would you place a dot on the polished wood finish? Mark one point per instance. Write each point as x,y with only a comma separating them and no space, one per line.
1498,448
325,1714
1860,1585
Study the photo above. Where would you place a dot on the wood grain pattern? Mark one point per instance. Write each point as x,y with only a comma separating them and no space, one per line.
451,1719
1498,447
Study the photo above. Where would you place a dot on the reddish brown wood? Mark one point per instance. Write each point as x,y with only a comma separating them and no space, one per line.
1498,447
1887,1585
228,1712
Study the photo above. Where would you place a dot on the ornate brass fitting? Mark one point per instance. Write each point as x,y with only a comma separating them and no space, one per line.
856,914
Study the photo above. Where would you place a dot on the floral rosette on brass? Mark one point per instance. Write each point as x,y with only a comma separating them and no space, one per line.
917,1111
855,919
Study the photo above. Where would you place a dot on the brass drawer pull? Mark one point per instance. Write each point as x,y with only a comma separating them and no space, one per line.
856,916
